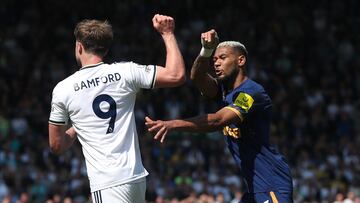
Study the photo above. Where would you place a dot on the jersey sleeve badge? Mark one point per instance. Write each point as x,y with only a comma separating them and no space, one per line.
244,101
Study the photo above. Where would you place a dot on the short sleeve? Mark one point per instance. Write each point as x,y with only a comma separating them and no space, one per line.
143,76
58,114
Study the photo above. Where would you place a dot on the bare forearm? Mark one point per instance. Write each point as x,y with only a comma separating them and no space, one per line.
60,139
68,141
62,144
199,68
201,77
205,123
174,60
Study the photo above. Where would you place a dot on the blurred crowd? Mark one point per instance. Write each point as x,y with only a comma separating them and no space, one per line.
305,53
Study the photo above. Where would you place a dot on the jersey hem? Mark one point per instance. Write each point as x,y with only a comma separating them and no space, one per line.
116,183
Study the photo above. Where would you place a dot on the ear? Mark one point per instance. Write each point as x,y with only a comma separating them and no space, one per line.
79,47
241,60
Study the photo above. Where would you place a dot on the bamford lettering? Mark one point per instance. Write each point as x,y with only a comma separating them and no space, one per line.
94,82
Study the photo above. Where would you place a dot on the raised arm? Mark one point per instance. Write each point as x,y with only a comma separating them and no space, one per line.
200,69
204,123
173,74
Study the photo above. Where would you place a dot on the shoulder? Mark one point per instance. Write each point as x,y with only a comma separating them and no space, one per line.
249,92
126,66
251,87
64,85
120,63
59,92
123,64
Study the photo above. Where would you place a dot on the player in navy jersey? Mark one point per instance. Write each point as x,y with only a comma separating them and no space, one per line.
245,120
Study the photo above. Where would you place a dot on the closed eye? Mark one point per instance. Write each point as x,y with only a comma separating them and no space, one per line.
222,57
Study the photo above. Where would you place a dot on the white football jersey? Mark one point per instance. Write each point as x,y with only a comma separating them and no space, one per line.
99,101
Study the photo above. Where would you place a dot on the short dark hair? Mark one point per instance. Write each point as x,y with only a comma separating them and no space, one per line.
96,36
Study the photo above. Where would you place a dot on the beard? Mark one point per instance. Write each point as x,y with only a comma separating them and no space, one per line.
222,78
229,77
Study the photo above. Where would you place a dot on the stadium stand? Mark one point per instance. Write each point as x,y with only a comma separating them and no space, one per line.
305,53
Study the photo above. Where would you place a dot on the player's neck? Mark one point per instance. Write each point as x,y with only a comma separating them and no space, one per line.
90,59
238,81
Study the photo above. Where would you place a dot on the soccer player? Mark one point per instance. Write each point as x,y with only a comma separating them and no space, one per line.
245,120
98,101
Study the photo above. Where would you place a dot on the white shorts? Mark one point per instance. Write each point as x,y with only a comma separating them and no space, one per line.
126,193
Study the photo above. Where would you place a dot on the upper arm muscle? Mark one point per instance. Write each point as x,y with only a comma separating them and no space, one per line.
55,133
229,116
165,79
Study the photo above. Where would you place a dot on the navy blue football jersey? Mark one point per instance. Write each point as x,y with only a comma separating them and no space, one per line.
262,167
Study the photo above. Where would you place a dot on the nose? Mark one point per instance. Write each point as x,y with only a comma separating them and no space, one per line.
216,66
217,63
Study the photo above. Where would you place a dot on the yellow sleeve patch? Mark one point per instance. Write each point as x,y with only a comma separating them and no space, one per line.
244,101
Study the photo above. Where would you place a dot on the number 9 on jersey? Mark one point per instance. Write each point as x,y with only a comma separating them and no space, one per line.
111,113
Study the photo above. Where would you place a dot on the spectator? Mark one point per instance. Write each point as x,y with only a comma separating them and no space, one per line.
310,46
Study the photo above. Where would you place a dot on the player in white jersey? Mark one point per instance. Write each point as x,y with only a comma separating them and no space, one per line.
98,101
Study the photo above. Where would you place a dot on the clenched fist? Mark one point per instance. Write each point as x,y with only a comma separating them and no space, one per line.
209,39
163,24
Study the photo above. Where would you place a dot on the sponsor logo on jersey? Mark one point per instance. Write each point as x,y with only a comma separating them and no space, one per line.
233,132
244,101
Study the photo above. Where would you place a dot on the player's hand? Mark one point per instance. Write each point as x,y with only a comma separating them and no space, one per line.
163,24
71,132
209,39
159,128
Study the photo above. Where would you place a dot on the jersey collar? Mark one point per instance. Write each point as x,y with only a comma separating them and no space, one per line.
91,66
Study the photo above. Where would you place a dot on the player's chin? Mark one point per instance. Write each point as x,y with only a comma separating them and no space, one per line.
221,78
